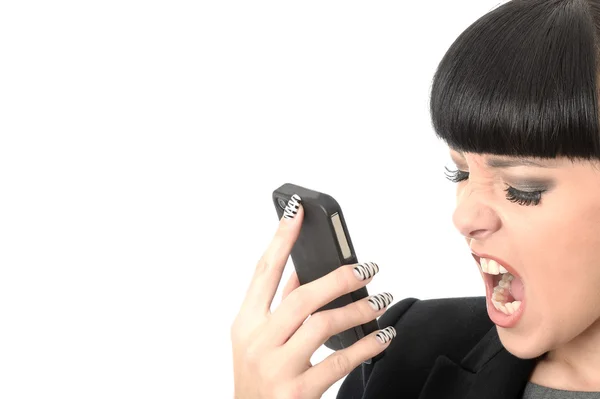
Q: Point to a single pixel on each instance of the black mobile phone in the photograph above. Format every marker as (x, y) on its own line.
(322, 246)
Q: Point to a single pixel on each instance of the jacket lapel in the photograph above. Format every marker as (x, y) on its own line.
(488, 371)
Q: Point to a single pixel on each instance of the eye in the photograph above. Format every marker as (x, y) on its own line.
(457, 175)
(524, 198)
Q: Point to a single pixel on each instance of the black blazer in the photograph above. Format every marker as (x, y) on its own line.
(444, 348)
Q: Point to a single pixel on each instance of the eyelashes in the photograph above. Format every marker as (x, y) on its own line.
(456, 176)
(524, 198)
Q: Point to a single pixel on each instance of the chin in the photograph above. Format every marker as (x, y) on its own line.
(523, 348)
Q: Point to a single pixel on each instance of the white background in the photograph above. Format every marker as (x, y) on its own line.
(140, 144)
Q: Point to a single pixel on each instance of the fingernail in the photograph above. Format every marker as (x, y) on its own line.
(366, 270)
(380, 301)
(384, 336)
(292, 206)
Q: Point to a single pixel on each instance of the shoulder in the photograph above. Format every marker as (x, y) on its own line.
(448, 321)
(425, 329)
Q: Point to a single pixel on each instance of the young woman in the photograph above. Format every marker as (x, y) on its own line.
(516, 99)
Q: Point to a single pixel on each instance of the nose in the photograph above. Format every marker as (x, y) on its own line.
(473, 216)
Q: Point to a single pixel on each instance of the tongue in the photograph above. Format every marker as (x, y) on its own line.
(517, 289)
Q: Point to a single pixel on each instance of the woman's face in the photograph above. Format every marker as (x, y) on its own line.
(553, 246)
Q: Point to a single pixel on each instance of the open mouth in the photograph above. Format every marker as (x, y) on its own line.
(504, 288)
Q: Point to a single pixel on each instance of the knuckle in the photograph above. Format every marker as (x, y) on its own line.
(293, 390)
(281, 237)
(344, 278)
(340, 364)
(282, 232)
(264, 264)
(296, 304)
(364, 311)
(270, 374)
(253, 355)
(296, 299)
(321, 321)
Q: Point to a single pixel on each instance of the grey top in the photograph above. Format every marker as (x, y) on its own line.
(534, 391)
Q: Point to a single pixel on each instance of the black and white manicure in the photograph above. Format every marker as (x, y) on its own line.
(366, 270)
(384, 336)
(292, 206)
(380, 301)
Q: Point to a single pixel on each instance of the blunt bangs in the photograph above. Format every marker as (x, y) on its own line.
(521, 81)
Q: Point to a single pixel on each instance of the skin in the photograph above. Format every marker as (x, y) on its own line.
(272, 349)
(555, 247)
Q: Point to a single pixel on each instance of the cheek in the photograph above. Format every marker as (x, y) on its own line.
(563, 276)
(562, 265)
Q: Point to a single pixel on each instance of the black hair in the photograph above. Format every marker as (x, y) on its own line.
(522, 81)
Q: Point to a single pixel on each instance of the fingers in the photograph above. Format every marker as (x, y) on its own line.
(322, 325)
(307, 298)
(269, 269)
(291, 285)
(336, 366)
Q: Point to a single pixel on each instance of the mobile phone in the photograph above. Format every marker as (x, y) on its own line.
(322, 246)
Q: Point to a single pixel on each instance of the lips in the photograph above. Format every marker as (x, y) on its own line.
(498, 314)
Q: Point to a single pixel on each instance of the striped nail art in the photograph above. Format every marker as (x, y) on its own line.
(384, 336)
(380, 301)
(366, 270)
(292, 207)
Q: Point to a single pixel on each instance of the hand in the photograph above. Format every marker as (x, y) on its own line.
(272, 351)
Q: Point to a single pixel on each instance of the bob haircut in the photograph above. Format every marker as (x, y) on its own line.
(521, 81)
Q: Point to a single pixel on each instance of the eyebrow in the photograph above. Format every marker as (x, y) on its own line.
(499, 163)
(511, 163)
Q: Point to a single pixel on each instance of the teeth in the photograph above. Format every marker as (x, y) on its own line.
(490, 266)
(484, 264)
(493, 267)
(507, 308)
(501, 291)
(498, 297)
